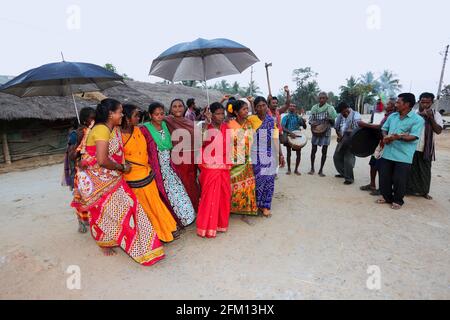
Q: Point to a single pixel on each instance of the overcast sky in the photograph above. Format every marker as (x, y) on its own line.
(337, 39)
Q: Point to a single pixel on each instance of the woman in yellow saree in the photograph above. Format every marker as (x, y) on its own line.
(141, 176)
(243, 186)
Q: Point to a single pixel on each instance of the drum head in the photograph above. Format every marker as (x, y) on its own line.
(299, 142)
(364, 142)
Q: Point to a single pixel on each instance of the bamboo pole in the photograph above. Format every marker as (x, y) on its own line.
(6, 153)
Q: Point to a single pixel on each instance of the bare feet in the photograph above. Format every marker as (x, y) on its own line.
(297, 173)
(82, 227)
(381, 201)
(289, 172)
(311, 173)
(267, 213)
(108, 252)
(396, 206)
(321, 174)
(428, 197)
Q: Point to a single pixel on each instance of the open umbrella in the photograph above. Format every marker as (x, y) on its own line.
(203, 60)
(62, 79)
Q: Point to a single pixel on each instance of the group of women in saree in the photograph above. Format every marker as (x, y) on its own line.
(137, 185)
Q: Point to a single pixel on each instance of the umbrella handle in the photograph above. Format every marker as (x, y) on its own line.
(268, 80)
(75, 106)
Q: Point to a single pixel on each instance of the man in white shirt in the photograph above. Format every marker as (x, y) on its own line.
(419, 180)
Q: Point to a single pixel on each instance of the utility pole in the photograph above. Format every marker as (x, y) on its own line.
(442, 73)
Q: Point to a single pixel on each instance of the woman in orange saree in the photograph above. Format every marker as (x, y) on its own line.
(215, 200)
(141, 178)
(115, 216)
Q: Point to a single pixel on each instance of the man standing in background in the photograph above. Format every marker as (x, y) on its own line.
(419, 181)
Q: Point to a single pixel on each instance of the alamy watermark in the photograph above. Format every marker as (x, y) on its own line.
(373, 21)
(374, 281)
(73, 21)
(73, 282)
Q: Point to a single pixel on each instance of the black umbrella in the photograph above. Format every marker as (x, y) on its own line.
(62, 79)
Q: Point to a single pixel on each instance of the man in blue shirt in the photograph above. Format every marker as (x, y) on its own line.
(401, 133)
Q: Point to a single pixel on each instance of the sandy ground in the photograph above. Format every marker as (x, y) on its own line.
(318, 245)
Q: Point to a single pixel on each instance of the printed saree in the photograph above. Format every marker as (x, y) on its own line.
(116, 217)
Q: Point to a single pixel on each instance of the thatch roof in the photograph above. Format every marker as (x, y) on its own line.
(61, 108)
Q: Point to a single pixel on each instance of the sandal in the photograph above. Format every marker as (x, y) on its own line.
(381, 201)
(375, 193)
(367, 188)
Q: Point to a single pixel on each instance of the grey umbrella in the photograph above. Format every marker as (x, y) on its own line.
(203, 60)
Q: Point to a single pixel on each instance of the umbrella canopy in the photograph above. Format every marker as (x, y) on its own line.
(61, 79)
(203, 60)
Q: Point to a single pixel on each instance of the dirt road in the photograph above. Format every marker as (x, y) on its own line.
(319, 244)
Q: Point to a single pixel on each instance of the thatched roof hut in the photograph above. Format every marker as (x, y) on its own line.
(61, 108)
(39, 126)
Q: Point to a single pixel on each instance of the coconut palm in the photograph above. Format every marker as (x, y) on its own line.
(389, 84)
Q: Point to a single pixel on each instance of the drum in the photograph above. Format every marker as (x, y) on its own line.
(320, 128)
(299, 142)
(364, 141)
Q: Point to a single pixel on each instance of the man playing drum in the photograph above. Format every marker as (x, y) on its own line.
(344, 160)
(321, 120)
(291, 124)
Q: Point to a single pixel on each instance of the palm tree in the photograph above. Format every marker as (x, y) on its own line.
(306, 95)
(389, 84)
(350, 91)
(252, 89)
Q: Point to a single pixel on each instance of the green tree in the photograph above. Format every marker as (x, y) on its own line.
(350, 91)
(126, 77)
(190, 83)
(110, 67)
(371, 87)
(251, 90)
(446, 91)
(305, 95)
(332, 98)
(389, 84)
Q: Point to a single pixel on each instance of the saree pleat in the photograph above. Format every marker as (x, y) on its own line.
(264, 165)
(214, 207)
(148, 196)
(243, 185)
(215, 201)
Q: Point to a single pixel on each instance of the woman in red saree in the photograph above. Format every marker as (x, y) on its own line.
(215, 181)
(115, 216)
(183, 154)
